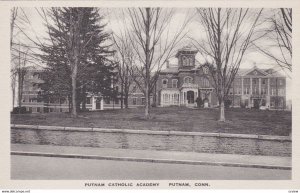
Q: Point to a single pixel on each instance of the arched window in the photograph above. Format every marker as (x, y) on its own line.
(165, 83)
(174, 83)
(184, 61)
(205, 82)
(188, 80)
(205, 70)
(190, 61)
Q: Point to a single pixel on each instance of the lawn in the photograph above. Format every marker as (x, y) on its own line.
(243, 121)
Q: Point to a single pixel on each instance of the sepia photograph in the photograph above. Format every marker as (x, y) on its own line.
(150, 93)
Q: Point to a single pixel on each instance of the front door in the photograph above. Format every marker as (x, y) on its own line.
(98, 103)
(190, 97)
(256, 103)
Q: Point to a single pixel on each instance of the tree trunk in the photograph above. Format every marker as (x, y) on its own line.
(222, 111)
(13, 96)
(20, 88)
(83, 97)
(126, 97)
(122, 95)
(147, 54)
(69, 103)
(154, 96)
(149, 100)
(74, 84)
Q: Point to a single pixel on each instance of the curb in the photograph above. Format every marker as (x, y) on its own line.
(151, 132)
(134, 159)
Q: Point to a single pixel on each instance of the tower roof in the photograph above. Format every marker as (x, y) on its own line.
(186, 50)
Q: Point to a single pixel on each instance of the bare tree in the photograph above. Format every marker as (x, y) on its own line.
(14, 13)
(276, 38)
(228, 35)
(153, 45)
(125, 59)
(23, 50)
(21, 71)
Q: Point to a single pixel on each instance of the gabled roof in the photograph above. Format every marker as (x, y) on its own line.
(253, 71)
(270, 72)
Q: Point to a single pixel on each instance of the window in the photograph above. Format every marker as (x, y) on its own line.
(143, 101)
(246, 102)
(263, 102)
(88, 100)
(273, 91)
(280, 102)
(107, 100)
(246, 90)
(263, 81)
(280, 82)
(165, 83)
(176, 99)
(280, 91)
(205, 70)
(205, 82)
(188, 80)
(272, 103)
(174, 83)
(116, 101)
(38, 109)
(184, 61)
(187, 61)
(134, 101)
(255, 90)
(166, 98)
(191, 62)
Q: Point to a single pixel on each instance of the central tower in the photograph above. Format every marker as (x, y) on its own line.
(186, 57)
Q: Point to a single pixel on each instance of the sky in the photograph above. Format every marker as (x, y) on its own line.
(117, 21)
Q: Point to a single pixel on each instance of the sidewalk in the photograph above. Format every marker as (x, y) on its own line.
(233, 160)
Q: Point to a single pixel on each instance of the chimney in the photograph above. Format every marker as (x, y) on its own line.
(168, 64)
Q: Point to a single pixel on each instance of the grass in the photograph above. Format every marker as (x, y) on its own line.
(243, 121)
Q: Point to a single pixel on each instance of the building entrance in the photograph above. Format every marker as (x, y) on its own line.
(256, 103)
(98, 105)
(190, 97)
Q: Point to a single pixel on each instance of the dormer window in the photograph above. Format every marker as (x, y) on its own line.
(188, 80)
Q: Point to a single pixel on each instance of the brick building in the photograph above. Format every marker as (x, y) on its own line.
(34, 104)
(181, 84)
(177, 85)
